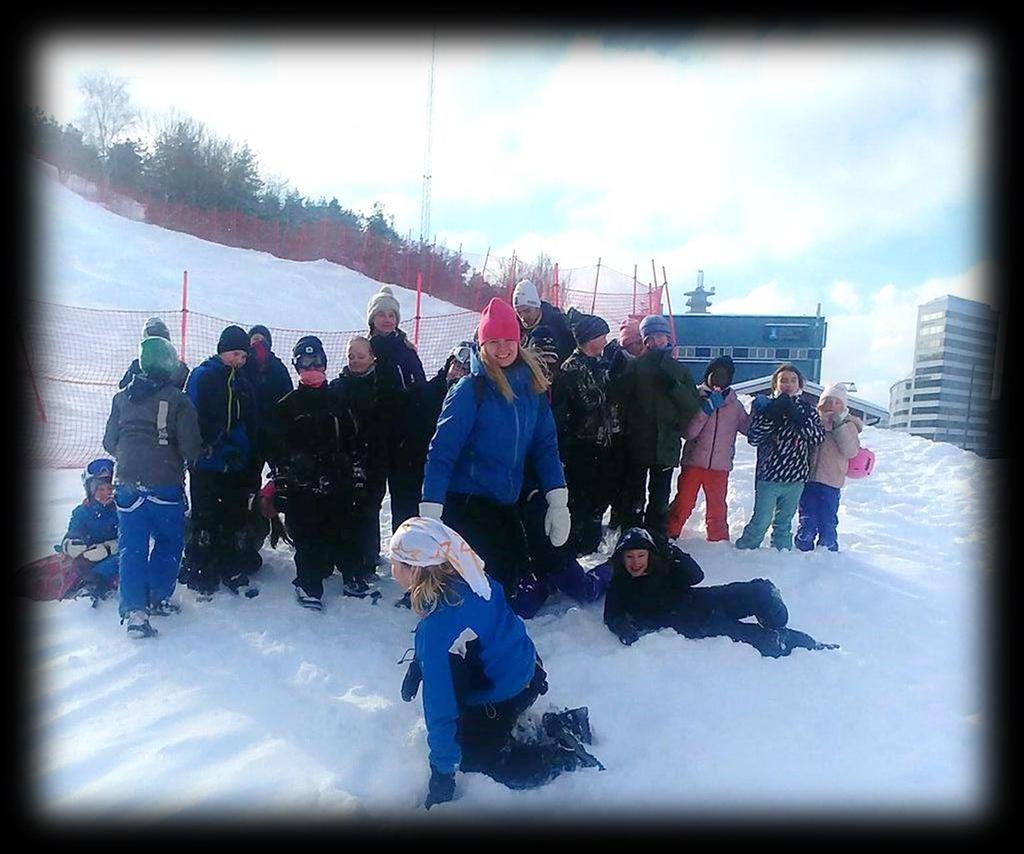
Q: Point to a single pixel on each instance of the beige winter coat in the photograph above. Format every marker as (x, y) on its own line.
(830, 459)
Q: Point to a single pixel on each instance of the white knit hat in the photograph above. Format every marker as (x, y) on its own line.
(525, 293)
(836, 390)
(383, 300)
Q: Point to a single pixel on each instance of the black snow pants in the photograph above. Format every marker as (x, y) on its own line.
(359, 541)
(219, 547)
(485, 734)
(314, 523)
(495, 532)
(405, 484)
(650, 486)
(585, 474)
(719, 611)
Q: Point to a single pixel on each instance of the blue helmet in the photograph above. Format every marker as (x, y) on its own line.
(99, 469)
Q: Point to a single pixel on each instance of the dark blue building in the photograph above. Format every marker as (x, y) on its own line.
(756, 343)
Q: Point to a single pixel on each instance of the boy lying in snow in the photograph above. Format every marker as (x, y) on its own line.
(653, 589)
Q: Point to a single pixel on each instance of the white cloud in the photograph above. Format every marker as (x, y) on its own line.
(845, 295)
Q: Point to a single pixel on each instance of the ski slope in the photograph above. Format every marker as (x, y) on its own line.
(260, 708)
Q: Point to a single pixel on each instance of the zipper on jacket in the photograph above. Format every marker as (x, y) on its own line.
(231, 377)
(714, 438)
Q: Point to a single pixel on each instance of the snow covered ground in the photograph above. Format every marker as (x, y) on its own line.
(259, 707)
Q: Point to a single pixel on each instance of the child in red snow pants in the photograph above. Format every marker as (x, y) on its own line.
(715, 485)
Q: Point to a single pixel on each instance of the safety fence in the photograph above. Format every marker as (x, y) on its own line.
(78, 356)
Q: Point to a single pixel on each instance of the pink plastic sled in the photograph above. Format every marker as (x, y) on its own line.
(861, 465)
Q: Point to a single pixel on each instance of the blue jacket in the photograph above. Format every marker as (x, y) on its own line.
(92, 522)
(481, 449)
(224, 401)
(471, 653)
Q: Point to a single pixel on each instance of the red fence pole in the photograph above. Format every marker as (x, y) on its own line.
(672, 320)
(558, 299)
(184, 310)
(419, 293)
(634, 291)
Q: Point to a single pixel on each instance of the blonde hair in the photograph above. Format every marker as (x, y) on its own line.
(360, 338)
(429, 586)
(538, 378)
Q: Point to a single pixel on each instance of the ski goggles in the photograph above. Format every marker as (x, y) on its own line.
(310, 362)
(99, 468)
(461, 353)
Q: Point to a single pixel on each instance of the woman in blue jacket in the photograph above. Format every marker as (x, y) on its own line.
(490, 424)
(479, 669)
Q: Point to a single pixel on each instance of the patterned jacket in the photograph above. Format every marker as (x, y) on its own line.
(784, 440)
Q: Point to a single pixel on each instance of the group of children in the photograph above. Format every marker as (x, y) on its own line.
(508, 458)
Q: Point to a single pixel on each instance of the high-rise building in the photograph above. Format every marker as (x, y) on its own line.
(951, 389)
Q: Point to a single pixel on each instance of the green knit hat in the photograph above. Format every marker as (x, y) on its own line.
(157, 356)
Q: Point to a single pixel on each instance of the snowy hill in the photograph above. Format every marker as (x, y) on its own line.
(260, 707)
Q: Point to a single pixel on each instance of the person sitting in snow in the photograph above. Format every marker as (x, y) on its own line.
(154, 326)
(490, 424)
(153, 432)
(819, 502)
(313, 449)
(369, 396)
(654, 588)
(533, 312)
(479, 669)
(784, 429)
(220, 483)
(708, 452)
(91, 538)
(396, 357)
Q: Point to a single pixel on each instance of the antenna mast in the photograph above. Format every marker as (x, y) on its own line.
(425, 204)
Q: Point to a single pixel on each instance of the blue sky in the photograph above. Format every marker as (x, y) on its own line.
(792, 169)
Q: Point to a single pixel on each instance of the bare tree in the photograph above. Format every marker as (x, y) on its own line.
(107, 111)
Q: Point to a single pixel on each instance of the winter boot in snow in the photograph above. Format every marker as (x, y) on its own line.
(314, 603)
(164, 608)
(557, 728)
(772, 613)
(355, 587)
(404, 602)
(138, 625)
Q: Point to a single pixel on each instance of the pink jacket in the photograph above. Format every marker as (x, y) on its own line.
(711, 439)
(830, 459)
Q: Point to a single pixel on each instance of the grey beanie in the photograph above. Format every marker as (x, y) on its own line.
(155, 326)
(383, 300)
(654, 324)
(525, 293)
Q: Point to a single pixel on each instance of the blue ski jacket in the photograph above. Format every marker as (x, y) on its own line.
(481, 446)
(472, 651)
(227, 415)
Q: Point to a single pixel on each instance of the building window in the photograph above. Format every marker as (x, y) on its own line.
(727, 351)
(782, 352)
(740, 352)
(703, 352)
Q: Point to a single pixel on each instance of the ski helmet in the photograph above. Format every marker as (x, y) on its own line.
(99, 469)
(308, 352)
(460, 353)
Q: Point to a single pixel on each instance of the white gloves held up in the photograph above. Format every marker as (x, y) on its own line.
(94, 553)
(557, 521)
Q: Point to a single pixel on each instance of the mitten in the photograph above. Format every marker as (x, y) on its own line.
(100, 551)
(760, 404)
(628, 632)
(441, 788)
(557, 520)
(411, 682)
(73, 548)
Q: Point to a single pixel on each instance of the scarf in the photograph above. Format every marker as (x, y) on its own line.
(421, 541)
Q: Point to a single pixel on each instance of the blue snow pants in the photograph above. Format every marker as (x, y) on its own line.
(148, 576)
(818, 516)
(774, 504)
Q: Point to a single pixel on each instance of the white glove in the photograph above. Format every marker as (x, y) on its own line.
(431, 510)
(73, 548)
(100, 551)
(557, 521)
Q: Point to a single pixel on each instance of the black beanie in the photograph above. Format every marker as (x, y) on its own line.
(233, 338)
(259, 327)
(309, 345)
(589, 327)
(634, 538)
(721, 362)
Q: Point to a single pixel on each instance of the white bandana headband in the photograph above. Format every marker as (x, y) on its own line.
(421, 541)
